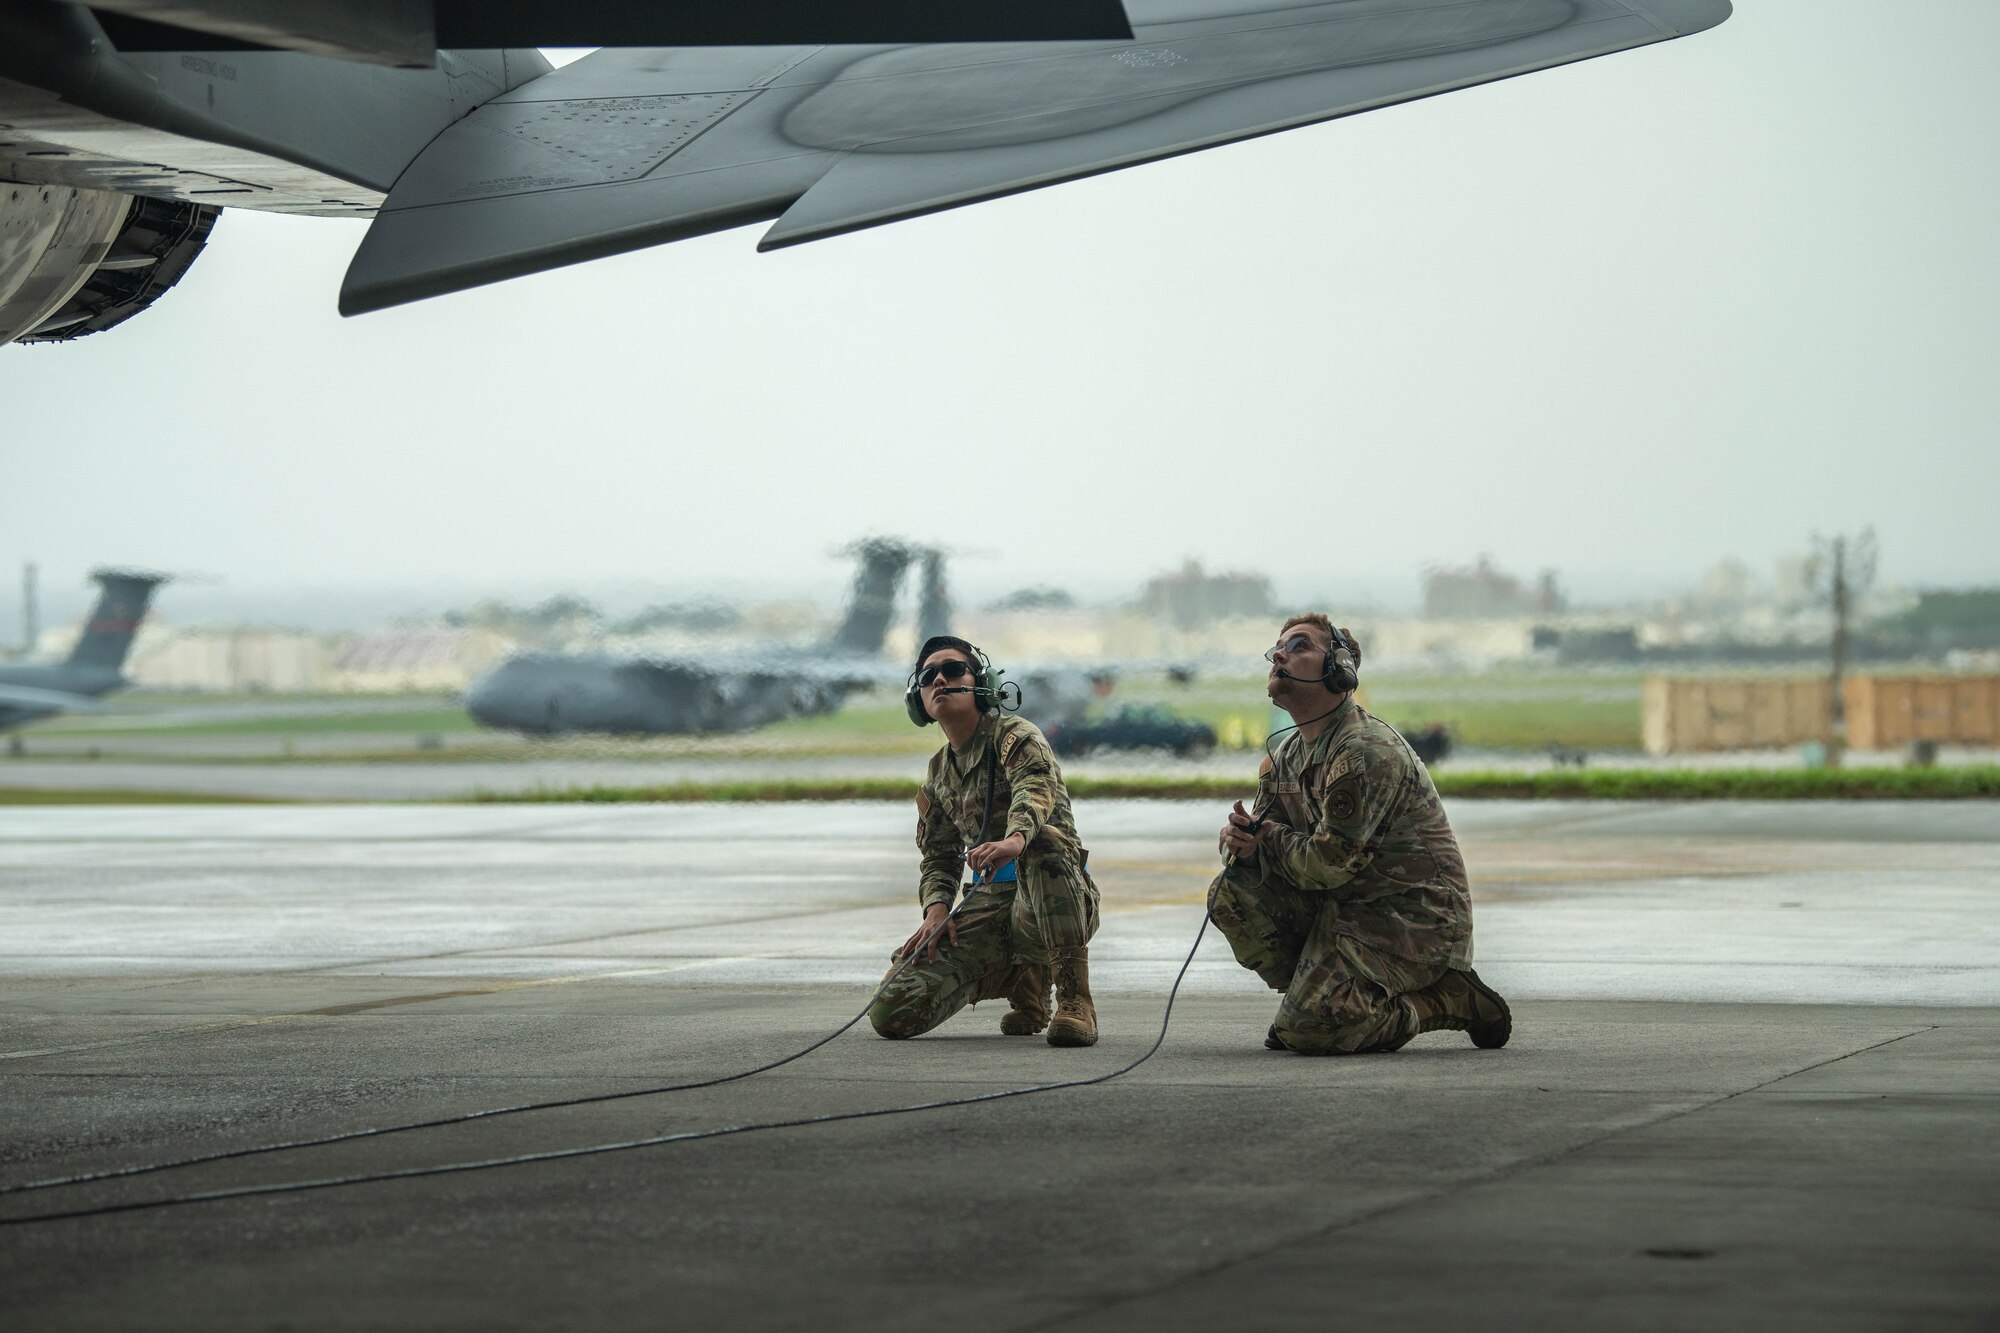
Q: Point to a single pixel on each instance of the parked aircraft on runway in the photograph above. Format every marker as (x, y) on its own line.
(122, 139)
(553, 693)
(30, 691)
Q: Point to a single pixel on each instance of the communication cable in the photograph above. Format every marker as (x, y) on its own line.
(382, 1131)
(379, 1131)
(595, 1149)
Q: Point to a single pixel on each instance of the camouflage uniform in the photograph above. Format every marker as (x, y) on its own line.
(1051, 908)
(1358, 898)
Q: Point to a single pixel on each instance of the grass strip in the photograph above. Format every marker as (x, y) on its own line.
(1972, 782)
(121, 796)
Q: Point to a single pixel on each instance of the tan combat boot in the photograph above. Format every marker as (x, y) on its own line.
(1075, 1023)
(1028, 1001)
(1459, 1001)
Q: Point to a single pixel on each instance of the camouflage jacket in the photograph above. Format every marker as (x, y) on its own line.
(1028, 798)
(1359, 820)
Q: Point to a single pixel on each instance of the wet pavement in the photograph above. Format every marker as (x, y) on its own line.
(1753, 1080)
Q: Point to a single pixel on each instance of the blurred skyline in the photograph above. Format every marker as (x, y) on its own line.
(975, 582)
(1622, 320)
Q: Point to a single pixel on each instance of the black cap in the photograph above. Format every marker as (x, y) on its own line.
(937, 641)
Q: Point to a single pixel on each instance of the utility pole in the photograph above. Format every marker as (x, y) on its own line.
(1848, 567)
(31, 616)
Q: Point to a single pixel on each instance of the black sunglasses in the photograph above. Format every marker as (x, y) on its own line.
(1292, 647)
(951, 670)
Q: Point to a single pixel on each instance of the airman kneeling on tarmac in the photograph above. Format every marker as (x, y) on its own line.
(1344, 887)
(1031, 908)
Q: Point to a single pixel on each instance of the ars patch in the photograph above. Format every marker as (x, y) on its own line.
(1343, 803)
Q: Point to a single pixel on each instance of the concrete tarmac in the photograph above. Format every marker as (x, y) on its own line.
(1753, 1081)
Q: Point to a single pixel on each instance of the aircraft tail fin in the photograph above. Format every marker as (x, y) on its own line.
(866, 626)
(934, 605)
(107, 635)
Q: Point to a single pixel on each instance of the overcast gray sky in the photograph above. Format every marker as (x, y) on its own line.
(1622, 319)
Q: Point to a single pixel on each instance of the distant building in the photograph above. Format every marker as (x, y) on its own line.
(1444, 644)
(413, 660)
(230, 659)
(1792, 582)
(1191, 598)
(1035, 599)
(1728, 585)
(1075, 635)
(1482, 592)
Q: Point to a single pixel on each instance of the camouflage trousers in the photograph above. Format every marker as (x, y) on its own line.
(1341, 996)
(1002, 928)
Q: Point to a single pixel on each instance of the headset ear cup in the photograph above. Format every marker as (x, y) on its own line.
(913, 704)
(1342, 674)
(982, 679)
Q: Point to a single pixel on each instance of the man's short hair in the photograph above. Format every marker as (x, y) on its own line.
(1333, 635)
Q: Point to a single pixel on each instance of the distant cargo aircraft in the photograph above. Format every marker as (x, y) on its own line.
(554, 693)
(30, 691)
(122, 138)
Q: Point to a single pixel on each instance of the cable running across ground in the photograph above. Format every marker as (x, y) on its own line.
(379, 1131)
(591, 1150)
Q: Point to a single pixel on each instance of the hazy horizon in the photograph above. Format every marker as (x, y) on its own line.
(201, 600)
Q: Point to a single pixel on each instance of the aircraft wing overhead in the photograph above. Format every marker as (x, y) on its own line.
(631, 148)
(1187, 92)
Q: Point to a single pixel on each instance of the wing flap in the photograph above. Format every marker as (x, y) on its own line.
(621, 150)
(1218, 85)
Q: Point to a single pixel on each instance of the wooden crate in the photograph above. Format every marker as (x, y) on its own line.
(1891, 712)
(1877, 718)
(1697, 714)
(1976, 709)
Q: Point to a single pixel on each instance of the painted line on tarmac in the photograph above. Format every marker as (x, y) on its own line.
(1100, 1308)
(517, 950)
(342, 1010)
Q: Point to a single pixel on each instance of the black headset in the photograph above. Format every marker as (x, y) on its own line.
(1341, 672)
(990, 687)
(1338, 671)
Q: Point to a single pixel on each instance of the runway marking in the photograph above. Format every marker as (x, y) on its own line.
(1477, 1180)
(360, 1006)
(1585, 876)
(516, 949)
(1555, 874)
(342, 1010)
(148, 1036)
